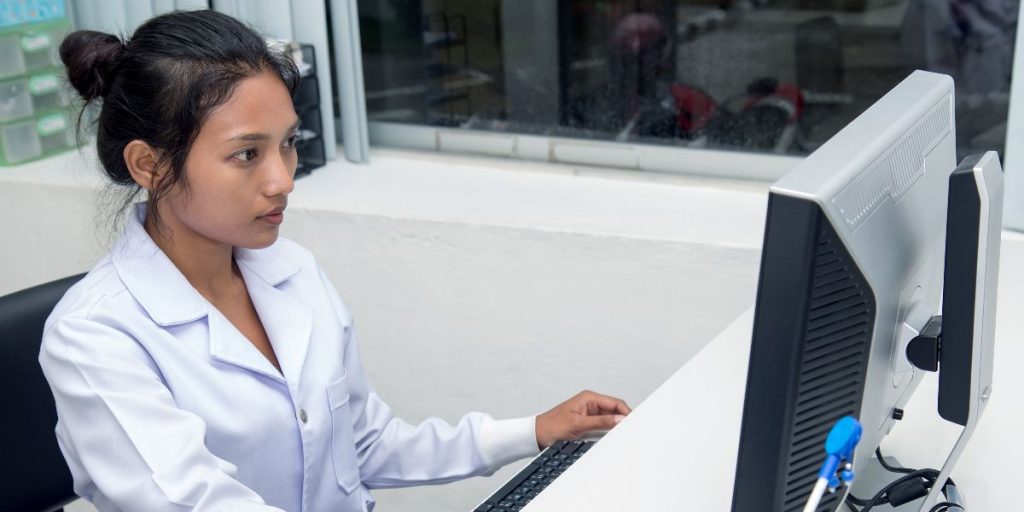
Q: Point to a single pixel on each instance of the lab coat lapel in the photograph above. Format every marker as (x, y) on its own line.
(228, 345)
(288, 322)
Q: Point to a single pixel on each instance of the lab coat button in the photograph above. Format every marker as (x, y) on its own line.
(303, 416)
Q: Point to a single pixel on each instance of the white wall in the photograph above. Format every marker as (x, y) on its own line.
(52, 226)
(458, 317)
(476, 285)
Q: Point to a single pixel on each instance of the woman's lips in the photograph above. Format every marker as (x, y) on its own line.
(274, 219)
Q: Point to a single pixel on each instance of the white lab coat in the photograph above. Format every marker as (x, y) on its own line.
(164, 405)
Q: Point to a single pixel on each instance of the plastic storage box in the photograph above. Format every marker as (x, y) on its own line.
(34, 116)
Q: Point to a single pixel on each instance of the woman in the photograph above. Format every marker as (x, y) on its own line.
(206, 364)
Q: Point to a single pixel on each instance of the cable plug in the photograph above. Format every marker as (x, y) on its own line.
(837, 468)
(839, 446)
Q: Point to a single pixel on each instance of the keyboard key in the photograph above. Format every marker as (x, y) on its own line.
(570, 447)
(512, 484)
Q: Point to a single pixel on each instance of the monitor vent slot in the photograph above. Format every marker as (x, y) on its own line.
(894, 171)
(833, 364)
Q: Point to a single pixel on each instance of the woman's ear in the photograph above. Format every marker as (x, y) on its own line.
(142, 161)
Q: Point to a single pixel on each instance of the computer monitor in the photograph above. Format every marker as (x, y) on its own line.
(852, 270)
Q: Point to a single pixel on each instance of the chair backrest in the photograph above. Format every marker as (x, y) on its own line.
(33, 474)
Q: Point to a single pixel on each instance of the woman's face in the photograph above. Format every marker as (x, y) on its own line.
(240, 169)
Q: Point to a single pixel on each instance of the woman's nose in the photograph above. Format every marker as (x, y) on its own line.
(282, 176)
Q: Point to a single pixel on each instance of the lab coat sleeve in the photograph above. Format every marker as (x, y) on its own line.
(394, 453)
(120, 425)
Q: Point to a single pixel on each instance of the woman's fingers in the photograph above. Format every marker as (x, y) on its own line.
(612, 405)
(601, 422)
(597, 403)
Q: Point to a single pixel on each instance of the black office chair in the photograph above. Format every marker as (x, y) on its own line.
(33, 474)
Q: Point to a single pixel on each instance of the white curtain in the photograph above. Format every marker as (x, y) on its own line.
(1013, 162)
(304, 21)
(122, 16)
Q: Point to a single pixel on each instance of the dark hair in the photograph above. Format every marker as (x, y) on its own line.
(160, 85)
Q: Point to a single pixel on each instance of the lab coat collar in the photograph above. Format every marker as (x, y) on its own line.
(269, 264)
(152, 278)
(162, 289)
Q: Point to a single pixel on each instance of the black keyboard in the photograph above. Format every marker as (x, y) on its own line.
(522, 488)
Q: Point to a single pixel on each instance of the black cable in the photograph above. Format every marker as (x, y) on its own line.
(855, 500)
(945, 506)
(881, 498)
(895, 469)
(891, 469)
(928, 474)
(852, 499)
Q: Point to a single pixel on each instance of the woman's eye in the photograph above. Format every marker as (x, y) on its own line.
(290, 143)
(246, 155)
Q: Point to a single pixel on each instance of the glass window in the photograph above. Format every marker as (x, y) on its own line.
(779, 76)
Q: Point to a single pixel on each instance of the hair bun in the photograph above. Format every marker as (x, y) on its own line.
(89, 56)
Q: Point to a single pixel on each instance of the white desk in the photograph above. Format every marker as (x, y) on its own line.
(680, 445)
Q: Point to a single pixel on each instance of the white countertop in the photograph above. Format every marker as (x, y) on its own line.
(678, 448)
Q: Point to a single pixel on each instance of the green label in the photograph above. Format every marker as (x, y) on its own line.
(43, 84)
(51, 124)
(35, 42)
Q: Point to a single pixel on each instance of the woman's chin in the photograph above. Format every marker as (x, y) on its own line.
(260, 242)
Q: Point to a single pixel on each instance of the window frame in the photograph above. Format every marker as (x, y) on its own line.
(712, 163)
(1013, 160)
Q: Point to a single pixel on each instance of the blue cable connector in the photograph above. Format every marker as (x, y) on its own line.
(838, 466)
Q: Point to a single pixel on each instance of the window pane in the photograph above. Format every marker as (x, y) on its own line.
(777, 76)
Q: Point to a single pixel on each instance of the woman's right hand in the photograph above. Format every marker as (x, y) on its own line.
(583, 413)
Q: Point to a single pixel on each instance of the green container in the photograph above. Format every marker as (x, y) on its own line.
(35, 120)
(30, 96)
(37, 137)
(30, 34)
